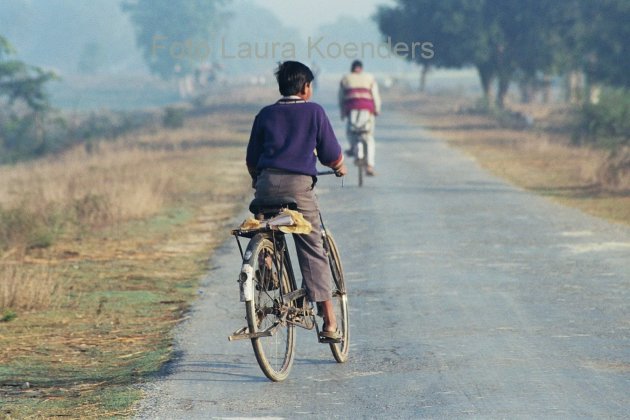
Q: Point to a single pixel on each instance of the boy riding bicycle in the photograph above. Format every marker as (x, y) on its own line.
(287, 139)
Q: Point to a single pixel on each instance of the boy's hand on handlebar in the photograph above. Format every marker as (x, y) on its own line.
(341, 171)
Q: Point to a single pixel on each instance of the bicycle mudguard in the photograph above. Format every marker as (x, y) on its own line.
(246, 283)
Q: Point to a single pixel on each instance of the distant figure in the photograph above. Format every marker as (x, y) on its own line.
(360, 102)
(185, 83)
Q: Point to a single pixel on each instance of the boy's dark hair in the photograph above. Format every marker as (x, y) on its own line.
(356, 64)
(292, 76)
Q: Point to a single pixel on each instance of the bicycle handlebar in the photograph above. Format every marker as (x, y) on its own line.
(330, 172)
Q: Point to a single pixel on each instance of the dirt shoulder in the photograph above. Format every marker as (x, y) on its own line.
(536, 155)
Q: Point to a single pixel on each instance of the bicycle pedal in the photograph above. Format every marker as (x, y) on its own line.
(325, 340)
(239, 334)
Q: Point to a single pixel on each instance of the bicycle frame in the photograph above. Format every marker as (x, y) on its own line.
(274, 305)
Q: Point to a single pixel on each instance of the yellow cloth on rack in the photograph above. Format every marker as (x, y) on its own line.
(250, 224)
(288, 221)
(297, 224)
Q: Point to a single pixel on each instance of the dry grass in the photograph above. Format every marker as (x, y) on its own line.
(118, 183)
(28, 288)
(541, 159)
(140, 216)
(615, 170)
(100, 188)
(133, 178)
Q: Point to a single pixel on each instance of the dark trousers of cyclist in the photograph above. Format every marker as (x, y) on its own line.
(309, 248)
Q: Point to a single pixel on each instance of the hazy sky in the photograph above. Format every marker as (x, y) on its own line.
(307, 15)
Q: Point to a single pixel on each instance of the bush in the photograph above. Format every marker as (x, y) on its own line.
(20, 138)
(107, 125)
(173, 117)
(37, 134)
(614, 172)
(504, 117)
(23, 228)
(606, 123)
(93, 210)
(8, 315)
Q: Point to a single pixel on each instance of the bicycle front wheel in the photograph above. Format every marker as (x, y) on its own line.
(340, 300)
(274, 348)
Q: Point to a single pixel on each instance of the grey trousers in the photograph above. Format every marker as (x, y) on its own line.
(309, 248)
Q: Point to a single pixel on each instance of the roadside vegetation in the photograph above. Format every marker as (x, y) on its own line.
(540, 147)
(101, 249)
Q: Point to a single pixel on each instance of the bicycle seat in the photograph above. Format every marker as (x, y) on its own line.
(270, 206)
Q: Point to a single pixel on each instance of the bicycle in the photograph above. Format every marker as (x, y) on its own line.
(359, 125)
(361, 154)
(274, 305)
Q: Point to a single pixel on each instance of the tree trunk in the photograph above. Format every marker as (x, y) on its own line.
(546, 88)
(486, 77)
(504, 86)
(526, 87)
(423, 77)
(574, 87)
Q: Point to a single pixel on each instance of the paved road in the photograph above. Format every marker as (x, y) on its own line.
(469, 298)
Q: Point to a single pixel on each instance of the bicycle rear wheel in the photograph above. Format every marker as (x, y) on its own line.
(340, 300)
(361, 160)
(274, 352)
(361, 169)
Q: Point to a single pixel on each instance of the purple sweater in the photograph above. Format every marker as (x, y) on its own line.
(291, 135)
